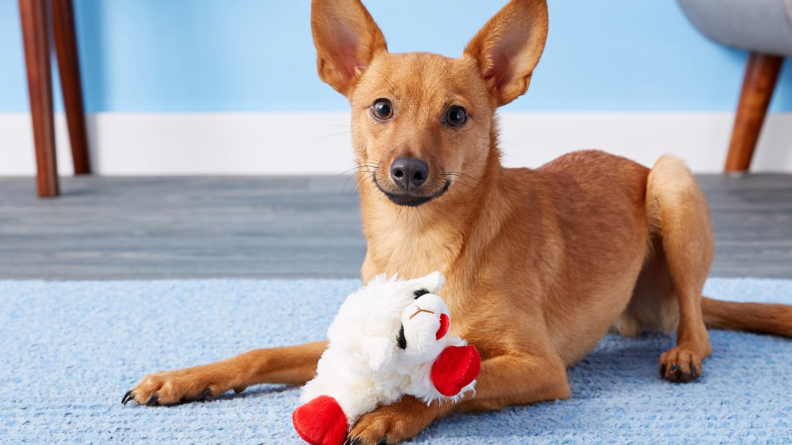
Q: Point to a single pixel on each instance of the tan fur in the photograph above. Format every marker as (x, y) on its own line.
(539, 263)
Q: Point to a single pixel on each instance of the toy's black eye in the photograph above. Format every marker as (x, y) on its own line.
(382, 109)
(401, 340)
(420, 292)
(456, 116)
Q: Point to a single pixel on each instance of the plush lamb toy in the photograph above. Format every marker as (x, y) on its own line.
(389, 339)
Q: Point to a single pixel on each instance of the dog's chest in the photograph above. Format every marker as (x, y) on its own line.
(409, 253)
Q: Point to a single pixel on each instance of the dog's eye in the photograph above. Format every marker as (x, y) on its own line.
(456, 116)
(382, 109)
(401, 340)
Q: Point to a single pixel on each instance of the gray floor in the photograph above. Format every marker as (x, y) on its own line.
(201, 227)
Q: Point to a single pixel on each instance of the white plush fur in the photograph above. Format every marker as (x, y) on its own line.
(363, 366)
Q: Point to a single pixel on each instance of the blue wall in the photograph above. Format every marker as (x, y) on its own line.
(257, 55)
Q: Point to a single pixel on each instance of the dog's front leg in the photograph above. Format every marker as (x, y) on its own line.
(503, 381)
(394, 423)
(292, 365)
(518, 380)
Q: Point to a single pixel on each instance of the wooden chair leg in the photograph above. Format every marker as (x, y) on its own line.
(69, 68)
(761, 73)
(37, 60)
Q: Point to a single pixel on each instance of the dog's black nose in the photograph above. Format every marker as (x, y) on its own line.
(409, 173)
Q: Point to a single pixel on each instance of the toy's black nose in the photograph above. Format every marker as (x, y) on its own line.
(409, 173)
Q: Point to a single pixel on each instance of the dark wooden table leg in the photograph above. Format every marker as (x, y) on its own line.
(69, 69)
(37, 59)
(761, 73)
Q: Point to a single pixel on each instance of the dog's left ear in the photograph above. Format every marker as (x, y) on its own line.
(509, 46)
(346, 40)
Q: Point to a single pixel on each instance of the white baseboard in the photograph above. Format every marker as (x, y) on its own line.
(318, 143)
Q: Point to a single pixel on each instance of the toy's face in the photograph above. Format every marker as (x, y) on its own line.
(424, 328)
(396, 323)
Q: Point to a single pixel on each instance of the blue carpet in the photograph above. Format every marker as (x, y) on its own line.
(71, 349)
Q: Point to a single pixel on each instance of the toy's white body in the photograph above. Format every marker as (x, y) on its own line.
(364, 365)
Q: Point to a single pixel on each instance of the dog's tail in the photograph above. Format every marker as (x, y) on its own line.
(773, 319)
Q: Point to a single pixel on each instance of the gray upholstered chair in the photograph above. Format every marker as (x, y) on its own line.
(763, 27)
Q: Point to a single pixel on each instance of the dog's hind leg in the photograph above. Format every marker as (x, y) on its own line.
(679, 216)
(292, 365)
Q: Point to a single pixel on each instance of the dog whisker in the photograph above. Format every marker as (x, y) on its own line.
(463, 174)
(398, 214)
(466, 185)
(360, 179)
(461, 179)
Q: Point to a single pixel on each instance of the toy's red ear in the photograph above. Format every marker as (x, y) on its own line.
(445, 322)
(455, 368)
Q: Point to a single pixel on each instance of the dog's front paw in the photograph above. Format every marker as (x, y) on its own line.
(173, 387)
(393, 423)
(680, 364)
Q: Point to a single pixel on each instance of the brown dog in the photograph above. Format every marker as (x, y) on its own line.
(539, 263)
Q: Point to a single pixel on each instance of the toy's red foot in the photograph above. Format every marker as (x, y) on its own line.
(321, 422)
(455, 368)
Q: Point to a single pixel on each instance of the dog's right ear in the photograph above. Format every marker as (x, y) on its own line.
(346, 40)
